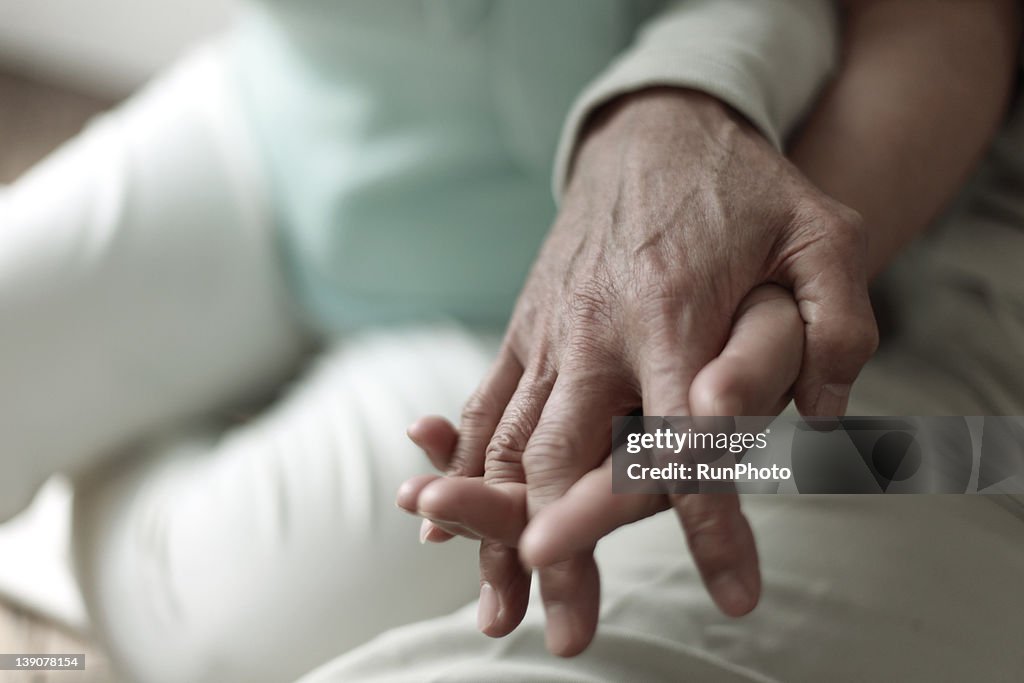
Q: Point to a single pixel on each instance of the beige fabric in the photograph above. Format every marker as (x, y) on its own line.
(908, 588)
(918, 589)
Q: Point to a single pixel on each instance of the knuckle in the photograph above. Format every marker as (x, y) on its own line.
(854, 338)
(503, 472)
(504, 453)
(559, 580)
(590, 327)
(865, 340)
(842, 217)
(592, 353)
(829, 228)
(849, 218)
(550, 464)
(831, 215)
(659, 298)
(715, 551)
(667, 312)
(845, 228)
(479, 408)
(549, 447)
(493, 558)
(710, 524)
(589, 304)
(507, 444)
(712, 533)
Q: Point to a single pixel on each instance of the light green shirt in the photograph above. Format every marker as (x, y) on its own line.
(411, 142)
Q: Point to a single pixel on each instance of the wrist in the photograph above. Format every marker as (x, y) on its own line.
(634, 130)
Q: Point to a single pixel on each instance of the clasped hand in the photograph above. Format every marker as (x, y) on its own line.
(691, 270)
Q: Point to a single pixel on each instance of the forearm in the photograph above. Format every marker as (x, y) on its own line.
(923, 88)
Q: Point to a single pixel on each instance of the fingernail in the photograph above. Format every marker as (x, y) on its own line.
(833, 399)
(558, 636)
(731, 594)
(425, 528)
(488, 607)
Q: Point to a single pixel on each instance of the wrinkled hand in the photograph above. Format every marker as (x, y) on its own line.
(757, 368)
(676, 209)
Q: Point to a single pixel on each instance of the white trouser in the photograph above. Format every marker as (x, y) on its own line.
(140, 297)
(138, 283)
(257, 554)
(140, 303)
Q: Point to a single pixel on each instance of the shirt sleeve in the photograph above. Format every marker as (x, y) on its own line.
(765, 58)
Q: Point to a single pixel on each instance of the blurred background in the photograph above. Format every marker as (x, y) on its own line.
(61, 62)
(104, 47)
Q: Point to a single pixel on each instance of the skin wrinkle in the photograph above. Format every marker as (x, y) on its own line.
(697, 211)
(547, 467)
(625, 507)
(663, 231)
(779, 227)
